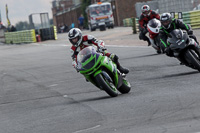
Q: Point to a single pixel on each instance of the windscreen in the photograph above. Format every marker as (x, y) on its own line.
(85, 54)
(100, 10)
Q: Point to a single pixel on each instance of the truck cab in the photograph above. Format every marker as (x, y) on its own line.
(100, 16)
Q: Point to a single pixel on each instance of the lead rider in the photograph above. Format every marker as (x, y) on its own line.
(79, 42)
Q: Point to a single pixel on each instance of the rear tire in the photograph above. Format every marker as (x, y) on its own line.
(193, 58)
(125, 88)
(109, 88)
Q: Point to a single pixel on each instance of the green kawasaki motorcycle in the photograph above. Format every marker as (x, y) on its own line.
(102, 72)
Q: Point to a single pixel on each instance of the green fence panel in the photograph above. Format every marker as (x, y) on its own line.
(27, 36)
(194, 19)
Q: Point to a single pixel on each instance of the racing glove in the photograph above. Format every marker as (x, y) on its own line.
(169, 52)
(74, 64)
(101, 47)
(144, 30)
(190, 32)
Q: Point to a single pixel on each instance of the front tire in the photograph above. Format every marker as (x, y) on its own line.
(109, 88)
(125, 88)
(193, 58)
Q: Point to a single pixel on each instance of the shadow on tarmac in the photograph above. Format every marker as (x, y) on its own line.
(134, 57)
(181, 74)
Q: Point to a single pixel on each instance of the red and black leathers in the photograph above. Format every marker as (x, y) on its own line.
(143, 21)
(88, 40)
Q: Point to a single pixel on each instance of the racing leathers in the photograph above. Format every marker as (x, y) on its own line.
(175, 24)
(143, 21)
(89, 40)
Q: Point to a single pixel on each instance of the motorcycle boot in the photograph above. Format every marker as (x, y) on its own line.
(159, 51)
(149, 42)
(145, 38)
(115, 58)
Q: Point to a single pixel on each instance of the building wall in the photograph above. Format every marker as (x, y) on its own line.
(61, 9)
(69, 17)
(196, 4)
(175, 5)
(76, 2)
(152, 4)
(125, 9)
(122, 9)
(162, 6)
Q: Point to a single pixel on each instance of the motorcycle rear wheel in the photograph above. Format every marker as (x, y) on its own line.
(109, 88)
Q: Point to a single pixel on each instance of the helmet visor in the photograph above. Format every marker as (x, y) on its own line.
(74, 40)
(145, 13)
(165, 23)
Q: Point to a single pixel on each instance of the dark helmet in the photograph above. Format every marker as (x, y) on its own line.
(145, 10)
(75, 33)
(166, 20)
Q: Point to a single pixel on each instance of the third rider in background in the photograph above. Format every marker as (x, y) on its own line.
(147, 14)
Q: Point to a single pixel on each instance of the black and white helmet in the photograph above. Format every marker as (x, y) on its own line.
(145, 10)
(166, 20)
(75, 33)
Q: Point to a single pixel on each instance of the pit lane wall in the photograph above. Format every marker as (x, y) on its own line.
(191, 17)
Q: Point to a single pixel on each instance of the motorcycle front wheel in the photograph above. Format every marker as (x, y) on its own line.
(106, 85)
(193, 58)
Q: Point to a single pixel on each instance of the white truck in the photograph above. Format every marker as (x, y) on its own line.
(100, 16)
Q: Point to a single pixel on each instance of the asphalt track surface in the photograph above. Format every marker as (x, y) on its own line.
(40, 92)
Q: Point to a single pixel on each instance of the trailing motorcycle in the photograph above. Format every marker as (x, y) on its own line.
(185, 48)
(102, 72)
(153, 28)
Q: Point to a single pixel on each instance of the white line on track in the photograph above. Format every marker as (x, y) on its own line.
(87, 129)
(64, 45)
(53, 85)
(127, 46)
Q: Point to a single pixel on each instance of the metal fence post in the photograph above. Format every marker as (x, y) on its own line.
(134, 26)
